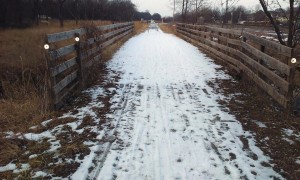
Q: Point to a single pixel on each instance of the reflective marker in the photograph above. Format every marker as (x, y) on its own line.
(46, 46)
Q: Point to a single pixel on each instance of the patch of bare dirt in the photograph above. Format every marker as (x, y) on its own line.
(250, 104)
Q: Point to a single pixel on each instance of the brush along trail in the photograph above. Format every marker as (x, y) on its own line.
(166, 119)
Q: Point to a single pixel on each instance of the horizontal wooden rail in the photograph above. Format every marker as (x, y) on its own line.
(62, 67)
(273, 45)
(274, 63)
(232, 47)
(63, 83)
(106, 35)
(62, 52)
(55, 37)
(68, 65)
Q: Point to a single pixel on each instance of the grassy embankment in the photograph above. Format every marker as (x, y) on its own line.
(168, 28)
(24, 99)
(23, 89)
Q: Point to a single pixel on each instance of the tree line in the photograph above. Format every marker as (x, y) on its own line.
(279, 14)
(24, 13)
(226, 11)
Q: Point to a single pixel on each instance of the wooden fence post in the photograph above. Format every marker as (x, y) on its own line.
(260, 61)
(291, 81)
(79, 60)
(243, 49)
(51, 79)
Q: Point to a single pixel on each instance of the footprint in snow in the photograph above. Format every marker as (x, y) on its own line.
(185, 138)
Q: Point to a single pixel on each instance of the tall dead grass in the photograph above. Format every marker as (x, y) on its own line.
(140, 27)
(108, 52)
(168, 28)
(23, 85)
(24, 102)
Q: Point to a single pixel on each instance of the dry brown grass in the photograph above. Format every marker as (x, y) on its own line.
(108, 52)
(19, 115)
(140, 27)
(28, 43)
(25, 100)
(168, 28)
(22, 74)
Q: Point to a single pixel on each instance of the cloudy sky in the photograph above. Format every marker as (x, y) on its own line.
(164, 7)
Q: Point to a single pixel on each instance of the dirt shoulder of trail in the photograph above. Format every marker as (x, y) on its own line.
(270, 123)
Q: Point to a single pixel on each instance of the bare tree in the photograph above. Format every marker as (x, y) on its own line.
(60, 6)
(293, 21)
(229, 4)
(174, 9)
(77, 11)
(186, 8)
(184, 5)
(198, 5)
(36, 11)
(182, 10)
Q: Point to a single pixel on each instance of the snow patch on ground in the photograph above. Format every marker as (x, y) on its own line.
(260, 124)
(51, 136)
(290, 136)
(39, 174)
(298, 160)
(8, 167)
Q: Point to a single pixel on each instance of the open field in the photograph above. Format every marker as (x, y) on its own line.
(25, 46)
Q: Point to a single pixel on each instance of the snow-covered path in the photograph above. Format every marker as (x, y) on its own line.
(167, 123)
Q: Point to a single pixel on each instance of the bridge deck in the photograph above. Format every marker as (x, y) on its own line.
(166, 122)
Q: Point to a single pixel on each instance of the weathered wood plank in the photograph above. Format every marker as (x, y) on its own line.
(55, 54)
(233, 62)
(58, 99)
(266, 87)
(220, 46)
(67, 85)
(278, 81)
(231, 41)
(107, 43)
(63, 83)
(92, 61)
(197, 32)
(261, 83)
(90, 52)
(108, 35)
(55, 37)
(62, 67)
(269, 44)
(283, 68)
(225, 31)
(274, 63)
(112, 26)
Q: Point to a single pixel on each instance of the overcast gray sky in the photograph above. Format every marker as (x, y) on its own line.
(164, 7)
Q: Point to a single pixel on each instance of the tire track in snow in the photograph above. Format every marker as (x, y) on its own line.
(173, 127)
(101, 159)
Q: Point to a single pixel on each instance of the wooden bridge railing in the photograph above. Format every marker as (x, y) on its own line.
(267, 63)
(72, 53)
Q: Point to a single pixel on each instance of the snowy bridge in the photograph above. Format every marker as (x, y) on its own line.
(165, 121)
